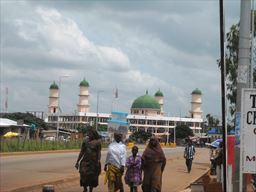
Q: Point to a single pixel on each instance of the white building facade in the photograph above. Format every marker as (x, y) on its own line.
(146, 114)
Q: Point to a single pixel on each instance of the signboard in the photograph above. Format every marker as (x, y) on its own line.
(118, 123)
(248, 131)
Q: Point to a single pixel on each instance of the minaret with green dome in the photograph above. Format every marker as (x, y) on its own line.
(83, 105)
(159, 96)
(196, 103)
(53, 98)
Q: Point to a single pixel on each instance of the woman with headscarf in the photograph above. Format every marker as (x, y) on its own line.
(153, 164)
(88, 161)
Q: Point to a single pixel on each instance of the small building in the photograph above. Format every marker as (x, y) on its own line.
(8, 125)
(214, 133)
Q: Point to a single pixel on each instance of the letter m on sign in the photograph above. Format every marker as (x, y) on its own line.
(253, 158)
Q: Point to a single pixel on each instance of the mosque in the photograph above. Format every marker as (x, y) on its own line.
(146, 113)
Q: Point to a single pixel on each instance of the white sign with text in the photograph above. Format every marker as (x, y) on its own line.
(248, 131)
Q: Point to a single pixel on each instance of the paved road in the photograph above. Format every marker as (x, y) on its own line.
(26, 170)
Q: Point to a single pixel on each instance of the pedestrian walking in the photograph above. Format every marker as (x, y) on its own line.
(88, 161)
(254, 181)
(133, 173)
(189, 153)
(219, 162)
(114, 165)
(153, 164)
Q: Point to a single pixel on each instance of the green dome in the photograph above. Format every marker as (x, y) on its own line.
(84, 83)
(197, 92)
(159, 94)
(145, 101)
(54, 86)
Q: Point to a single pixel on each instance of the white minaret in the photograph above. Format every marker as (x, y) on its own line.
(196, 103)
(83, 105)
(53, 98)
(159, 96)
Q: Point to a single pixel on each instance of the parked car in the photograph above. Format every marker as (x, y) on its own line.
(50, 138)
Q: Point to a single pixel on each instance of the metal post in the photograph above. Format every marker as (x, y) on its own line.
(252, 44)
(174, 135)
(223, 98)
(242, 81)
(167, 135)
(97, 109)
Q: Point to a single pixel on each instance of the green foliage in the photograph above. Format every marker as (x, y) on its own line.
(82, 128)
(231, 61)
(15, 145)
(183, 131)
(140, 136)
(28, 119)
(212, 121)
(102, 127)
(18, 145)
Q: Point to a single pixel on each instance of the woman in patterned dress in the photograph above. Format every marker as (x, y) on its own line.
(133, 173)
(88, 161)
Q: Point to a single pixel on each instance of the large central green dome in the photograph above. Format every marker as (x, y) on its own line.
(145, 101)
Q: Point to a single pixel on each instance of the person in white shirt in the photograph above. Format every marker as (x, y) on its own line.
(114, 165)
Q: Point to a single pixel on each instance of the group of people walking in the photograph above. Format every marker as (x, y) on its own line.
(151, 164)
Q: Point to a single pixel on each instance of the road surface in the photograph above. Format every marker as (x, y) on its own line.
(28, 170)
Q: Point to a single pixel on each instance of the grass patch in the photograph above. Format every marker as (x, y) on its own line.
(18, 145)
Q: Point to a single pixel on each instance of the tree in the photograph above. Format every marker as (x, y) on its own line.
(82, 128)
(102, 128)
(231, 60)
(212, 121)
(183, 131)
(28, 119)
(141, 136)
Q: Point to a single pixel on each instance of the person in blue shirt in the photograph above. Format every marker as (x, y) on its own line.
(189, 153)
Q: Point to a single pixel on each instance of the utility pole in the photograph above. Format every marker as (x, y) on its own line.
(223, 94)
(6, 100)
(97, 109)
(243, 72)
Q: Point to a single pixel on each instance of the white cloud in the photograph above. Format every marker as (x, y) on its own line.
(60, 37)
(114, 57)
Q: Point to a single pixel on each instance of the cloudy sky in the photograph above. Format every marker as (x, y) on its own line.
(133, 46)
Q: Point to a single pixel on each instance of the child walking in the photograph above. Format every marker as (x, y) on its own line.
(133, 172)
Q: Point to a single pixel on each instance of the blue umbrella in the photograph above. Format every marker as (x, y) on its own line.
(216, 143)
